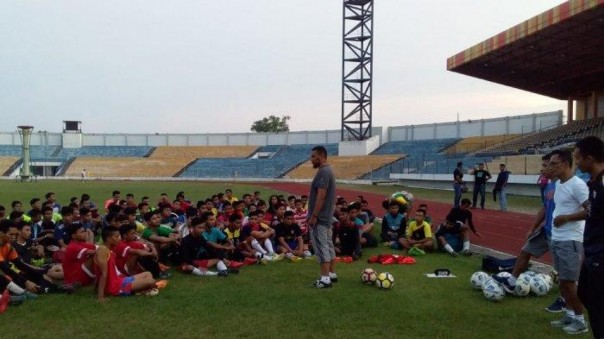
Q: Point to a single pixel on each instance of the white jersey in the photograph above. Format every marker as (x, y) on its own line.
(569, 198)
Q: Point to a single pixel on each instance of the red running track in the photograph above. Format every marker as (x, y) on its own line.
(501, 231)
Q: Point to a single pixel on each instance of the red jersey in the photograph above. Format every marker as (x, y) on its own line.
(223, 219)
(300, 219)
(74, 263)
(114, 277)
(122, 253)
(184, 205)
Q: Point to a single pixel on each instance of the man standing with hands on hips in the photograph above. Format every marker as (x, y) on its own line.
(321, 204)
(571, 199)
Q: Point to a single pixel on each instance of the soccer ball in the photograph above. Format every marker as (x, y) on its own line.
(478, 279)
(538, 286)
(522, 287)
(368, 276)
(492, 290)
(384, 281)
(548, 280)
(526, 277)
(554, 275)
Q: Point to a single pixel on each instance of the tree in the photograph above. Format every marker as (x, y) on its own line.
(271, 124)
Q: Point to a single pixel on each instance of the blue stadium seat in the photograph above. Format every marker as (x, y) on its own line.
(282, 161)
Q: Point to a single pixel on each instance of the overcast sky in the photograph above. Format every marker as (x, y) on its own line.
(196, 66)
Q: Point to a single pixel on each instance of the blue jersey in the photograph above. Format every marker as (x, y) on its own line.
(548, 203)
(214, 235)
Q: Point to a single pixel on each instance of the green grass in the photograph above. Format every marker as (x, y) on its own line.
(276, 300)
(101, 190)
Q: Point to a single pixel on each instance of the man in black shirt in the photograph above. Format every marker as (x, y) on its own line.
(289, 237)
(481, 176)
(463, 214)
(346, 236)
(589, 156)
(452, 237)
(24, 245)
(195, 251)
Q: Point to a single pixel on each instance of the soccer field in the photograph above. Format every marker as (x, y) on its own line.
(275, 300)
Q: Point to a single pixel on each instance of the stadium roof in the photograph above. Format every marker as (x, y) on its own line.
(559, 53)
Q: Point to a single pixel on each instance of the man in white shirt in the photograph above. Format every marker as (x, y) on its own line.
(571, 200)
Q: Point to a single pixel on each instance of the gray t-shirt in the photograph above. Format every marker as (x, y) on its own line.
(323, 179)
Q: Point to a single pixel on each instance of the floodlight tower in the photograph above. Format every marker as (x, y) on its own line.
(357, 68)
(25, 133)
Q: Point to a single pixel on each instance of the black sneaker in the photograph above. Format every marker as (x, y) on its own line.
(504, 282)
(320, 284)
(559, 305)
(223, 273)
(334, 280)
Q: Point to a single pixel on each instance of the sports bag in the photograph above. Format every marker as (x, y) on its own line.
(492, 264)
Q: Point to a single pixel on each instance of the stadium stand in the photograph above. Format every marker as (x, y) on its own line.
(345, 167)
(195, 152)
(471, 144)
(105, 151)
(283, 159)
(536, 141)
(415, 147)
(6, 163)
(125, 167)
(36, 152)
(418, 155)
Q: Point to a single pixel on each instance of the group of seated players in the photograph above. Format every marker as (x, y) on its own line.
(139, 241)
(401, 232)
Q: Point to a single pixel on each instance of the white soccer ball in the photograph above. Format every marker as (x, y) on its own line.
(368, 276)
(530, 273)
(548, 280)
(384, 281)
(538, 286)
(526, 277)
(478, 279)
(522, 287)
(492, 290)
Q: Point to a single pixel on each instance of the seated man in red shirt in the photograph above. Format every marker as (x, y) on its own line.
(78, 259)
(134, 256)
(110, 281)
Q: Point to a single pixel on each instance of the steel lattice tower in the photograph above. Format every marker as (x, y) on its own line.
(357, 67)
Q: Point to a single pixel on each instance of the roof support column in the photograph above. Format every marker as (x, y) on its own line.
(570, 109)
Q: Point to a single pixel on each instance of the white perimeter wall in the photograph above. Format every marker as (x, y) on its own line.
(359, 147)
(471, 128)
(457, 129)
